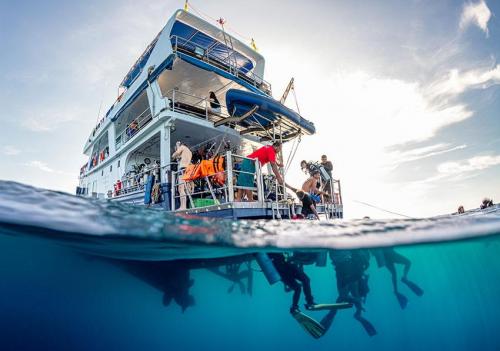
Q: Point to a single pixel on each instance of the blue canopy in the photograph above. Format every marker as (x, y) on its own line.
(269, 110)
(189, 38)
(138, 66)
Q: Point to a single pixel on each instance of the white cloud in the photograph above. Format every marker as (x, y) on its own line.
(477, 163)
(456, 82)
(42, 166)
(10, 150)
(424, 152)
(49, 120)
(363, 124)
(475, 14)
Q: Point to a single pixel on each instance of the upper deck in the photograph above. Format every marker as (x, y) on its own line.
(194, 40)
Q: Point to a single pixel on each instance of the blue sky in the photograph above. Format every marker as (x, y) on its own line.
(405, 94)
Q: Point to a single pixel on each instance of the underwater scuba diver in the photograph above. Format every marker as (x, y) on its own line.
(388, 257)
(293, 276)
(352, 284)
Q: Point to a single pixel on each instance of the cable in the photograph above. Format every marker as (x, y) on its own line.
(205, 16)
(381, 209)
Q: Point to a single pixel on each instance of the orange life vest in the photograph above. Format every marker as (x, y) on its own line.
(192, 172)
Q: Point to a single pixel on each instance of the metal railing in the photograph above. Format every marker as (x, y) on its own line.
(137, 181)
(204, 187)
(196, 106)
(182, 45)
(133, 128)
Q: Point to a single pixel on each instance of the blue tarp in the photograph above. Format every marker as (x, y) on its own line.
(189, 38)
(239, 102)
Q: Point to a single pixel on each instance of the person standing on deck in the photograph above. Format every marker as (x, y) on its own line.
(184, 156)
(327, 165)
(265, 154)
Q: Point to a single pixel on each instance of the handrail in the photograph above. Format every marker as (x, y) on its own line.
(136, 182)
(232, 69)
(200, 107)
(225, 193)
(141, 121)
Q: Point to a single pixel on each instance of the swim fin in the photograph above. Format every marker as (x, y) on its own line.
(403, 301)
(369, 328)
(329, 306)
(327, 320)
(413, 287)
(315, 329)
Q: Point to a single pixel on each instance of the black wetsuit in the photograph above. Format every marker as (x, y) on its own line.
(352, 283)
(291, 274)
(350, 266)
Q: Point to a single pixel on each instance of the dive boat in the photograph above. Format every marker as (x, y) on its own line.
(165, 100)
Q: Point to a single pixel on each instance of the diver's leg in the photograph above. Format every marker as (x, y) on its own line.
(292, 284)
(402, 300)
(392, 269)
(182, 193)
(286, 273)
(400, 259)
(355, 297)
(306, 284)
(342, 289)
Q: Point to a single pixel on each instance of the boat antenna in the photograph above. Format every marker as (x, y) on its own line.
(98, 112)
(233, 31)
(382, 209)
(186, 6)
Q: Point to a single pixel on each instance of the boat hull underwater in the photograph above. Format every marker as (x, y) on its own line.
(93, 275)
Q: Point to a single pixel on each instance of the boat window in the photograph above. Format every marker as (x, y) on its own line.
(100, 151)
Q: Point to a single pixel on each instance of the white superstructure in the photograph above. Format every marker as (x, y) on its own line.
(165, 99)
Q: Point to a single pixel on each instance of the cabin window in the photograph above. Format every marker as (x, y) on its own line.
(100, 151)
(111, 168)
(118, 163)
(199, 51)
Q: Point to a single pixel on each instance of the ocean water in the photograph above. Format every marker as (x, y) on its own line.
(77, 274)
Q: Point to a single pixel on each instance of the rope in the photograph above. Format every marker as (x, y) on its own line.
(206, 16)
(296, 101)
(381, 209)
(291, 156)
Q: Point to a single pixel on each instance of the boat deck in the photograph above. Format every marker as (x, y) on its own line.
(258, 210)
